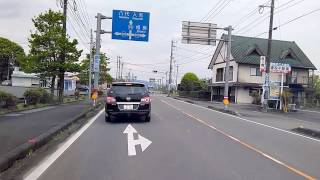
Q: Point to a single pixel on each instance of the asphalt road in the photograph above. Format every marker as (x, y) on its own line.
(188, 142)
(18, 128)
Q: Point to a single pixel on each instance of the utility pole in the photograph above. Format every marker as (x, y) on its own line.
(268, 59)
(90, 64)
(226, 85)
(170, 70)
(62, 71)
(121, 70)
(177, 77)
(98, 45)
(117, 71)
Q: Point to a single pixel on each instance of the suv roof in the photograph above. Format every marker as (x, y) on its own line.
(136, 83)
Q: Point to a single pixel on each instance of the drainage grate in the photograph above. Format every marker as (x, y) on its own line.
(307, 132)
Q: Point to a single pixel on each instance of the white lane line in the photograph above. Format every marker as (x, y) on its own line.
(46, 163)
(252, 122)
(297, 171)
(309, 111)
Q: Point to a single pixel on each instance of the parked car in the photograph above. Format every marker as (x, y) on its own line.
(128, 100)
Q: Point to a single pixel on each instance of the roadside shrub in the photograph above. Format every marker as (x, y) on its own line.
(7, 100)
(45, 96)
(38, 95)
(256, 98)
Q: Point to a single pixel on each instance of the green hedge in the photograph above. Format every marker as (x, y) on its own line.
(38, 95)
(7, 100)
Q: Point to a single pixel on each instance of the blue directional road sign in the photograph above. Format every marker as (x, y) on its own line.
(130, 25)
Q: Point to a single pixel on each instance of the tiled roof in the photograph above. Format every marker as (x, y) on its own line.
(240, 46)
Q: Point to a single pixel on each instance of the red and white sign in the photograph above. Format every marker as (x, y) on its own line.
(262, 63)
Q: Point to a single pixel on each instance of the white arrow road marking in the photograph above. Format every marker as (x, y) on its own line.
(144, 142)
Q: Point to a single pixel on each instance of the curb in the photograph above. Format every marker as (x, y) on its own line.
(21, 151)
(211, 107)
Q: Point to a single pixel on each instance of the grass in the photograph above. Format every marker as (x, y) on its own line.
(23, 107)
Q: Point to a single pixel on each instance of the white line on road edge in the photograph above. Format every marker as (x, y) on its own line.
(46, 163)
(253, 122)
(299, 172)
(309, 111)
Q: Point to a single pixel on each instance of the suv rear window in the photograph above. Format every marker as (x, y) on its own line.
(128, 89)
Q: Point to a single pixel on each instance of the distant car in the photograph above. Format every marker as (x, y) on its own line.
(128, 100)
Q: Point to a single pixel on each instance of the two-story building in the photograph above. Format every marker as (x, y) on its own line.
(245, 76)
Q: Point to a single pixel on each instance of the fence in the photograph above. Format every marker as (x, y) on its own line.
(202, 95)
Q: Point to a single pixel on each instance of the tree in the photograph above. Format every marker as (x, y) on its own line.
(316, 86)
(47, 46)
(10, 54)
(104, 77)
(190, 82)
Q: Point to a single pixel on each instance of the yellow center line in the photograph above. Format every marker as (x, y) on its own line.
(292, 169)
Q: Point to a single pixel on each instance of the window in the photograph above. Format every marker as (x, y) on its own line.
(294, 76)
(254, 71)
(219, 75)
(230, 73)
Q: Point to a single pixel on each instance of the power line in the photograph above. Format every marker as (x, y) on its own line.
(266, 16)
(79, 20)
(247, 16)
(224, 6)
(189, 50)
(83, 7)
(294, 19)
(195, 60)
(83, 42)
(212, 10)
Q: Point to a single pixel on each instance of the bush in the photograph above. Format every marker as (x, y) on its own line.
(7, 100)
(38, 95)
(256, 98)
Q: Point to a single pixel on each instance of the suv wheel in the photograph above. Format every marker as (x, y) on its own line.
(108, 119)
(148, 118)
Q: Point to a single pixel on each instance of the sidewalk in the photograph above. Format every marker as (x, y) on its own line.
(20, 127)
(287, 121)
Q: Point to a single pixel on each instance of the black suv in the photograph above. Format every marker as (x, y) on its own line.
(128, 100)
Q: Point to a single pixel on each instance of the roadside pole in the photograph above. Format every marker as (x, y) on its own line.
(98, 45)
(268, 58)
(226, 85)
(90, 64)
(170, 70)
(281, 90)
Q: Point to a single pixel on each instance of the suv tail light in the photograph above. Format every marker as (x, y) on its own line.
(111, 100)
(145, 100)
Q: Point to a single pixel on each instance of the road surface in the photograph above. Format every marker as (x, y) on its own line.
(188, 142)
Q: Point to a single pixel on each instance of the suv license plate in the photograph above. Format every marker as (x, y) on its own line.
(128, 107)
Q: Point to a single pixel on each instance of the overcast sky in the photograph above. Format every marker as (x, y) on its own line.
(165, 25)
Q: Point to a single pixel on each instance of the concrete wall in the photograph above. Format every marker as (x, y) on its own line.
(25, 81)
(242, 96)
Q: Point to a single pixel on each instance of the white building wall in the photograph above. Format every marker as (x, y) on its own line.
(223, 65)
(245, 77)
(243, 95)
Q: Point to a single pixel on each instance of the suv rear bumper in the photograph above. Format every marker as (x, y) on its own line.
(114, 111)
